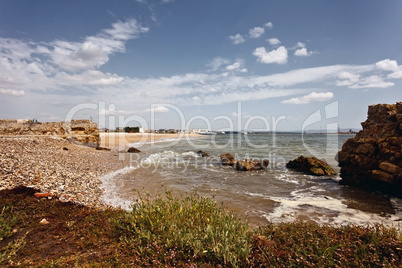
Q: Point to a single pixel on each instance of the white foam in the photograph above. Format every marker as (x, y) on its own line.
(285, 178)
(110, 195)
(324, 209)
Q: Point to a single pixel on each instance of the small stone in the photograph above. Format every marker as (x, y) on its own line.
(44, 221)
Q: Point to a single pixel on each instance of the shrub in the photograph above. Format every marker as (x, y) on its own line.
(308, 244)
(193, 228)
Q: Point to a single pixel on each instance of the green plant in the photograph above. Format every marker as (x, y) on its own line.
(309, 244)
(6, 223)
(176, 229)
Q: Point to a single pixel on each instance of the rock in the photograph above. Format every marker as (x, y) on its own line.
(311, 166)
(250, 165)
(44, 221)
(373, 158)
(65, 148)
(133, 150)
(227, 159)
(102, 149)
(83, 132)
(389, 168)
(202, 154)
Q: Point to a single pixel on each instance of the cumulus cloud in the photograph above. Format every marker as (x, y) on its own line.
(233, 66)
(269, 25)
(237, 66)
(237, 39)
(387, 65)
(217, 62)
(256, 32)
(95, 50)
(353, 80)
(279, 55)
(274, 41)
(347, 79)
(303, 52)
(12, 92)
(312, 97)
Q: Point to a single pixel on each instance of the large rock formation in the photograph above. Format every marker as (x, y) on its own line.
(373, 158)
(79, 131)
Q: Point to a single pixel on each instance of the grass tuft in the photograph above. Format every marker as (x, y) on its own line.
(192, 228)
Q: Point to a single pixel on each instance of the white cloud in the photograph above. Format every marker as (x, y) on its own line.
(347, 79)
(256, 32)
(274, 41)
(233, 66)
(159, 109)
(312, 97)
(303, 52)
(396, 74)
(387, 65)
(279, 55)
(237, 66)
(269, 25)
(373, 81)
(95, 50)
(237, 39)
(217, 62)
(12, 92)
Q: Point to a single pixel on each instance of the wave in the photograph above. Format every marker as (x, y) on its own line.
(111, 189)
(324, 209)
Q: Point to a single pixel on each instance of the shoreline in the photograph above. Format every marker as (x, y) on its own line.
(121, 140)
(70, 171)
(56, 166)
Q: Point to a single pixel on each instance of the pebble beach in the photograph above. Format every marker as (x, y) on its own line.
(54, 165)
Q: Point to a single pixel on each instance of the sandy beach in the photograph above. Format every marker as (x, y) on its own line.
(120, 141)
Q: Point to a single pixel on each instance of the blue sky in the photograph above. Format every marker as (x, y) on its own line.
(284, 65)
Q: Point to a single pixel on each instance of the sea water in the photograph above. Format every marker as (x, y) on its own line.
(276, 194)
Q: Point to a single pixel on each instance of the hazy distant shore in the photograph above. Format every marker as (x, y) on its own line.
(121, 141)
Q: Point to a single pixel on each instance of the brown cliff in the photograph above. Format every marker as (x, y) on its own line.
(373, 158)
(79, 131)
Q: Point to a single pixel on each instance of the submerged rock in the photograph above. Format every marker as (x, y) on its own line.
(250, 165)
(227, 159)
(202, 154)
(311, 166)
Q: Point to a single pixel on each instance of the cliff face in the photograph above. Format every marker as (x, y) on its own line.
(373, 158)
(81, 131)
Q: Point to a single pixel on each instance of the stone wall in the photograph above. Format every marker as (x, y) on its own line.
(373, 158)
(80, 131)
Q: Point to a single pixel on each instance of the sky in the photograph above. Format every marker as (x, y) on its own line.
(209, 64)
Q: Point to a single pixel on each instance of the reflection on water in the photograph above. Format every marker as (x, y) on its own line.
(276, 194)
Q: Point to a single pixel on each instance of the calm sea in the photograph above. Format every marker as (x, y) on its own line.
(273, 195)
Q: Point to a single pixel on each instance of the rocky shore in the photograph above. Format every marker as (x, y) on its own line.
(54, 165)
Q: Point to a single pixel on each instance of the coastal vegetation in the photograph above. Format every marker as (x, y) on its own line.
(186, 231)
